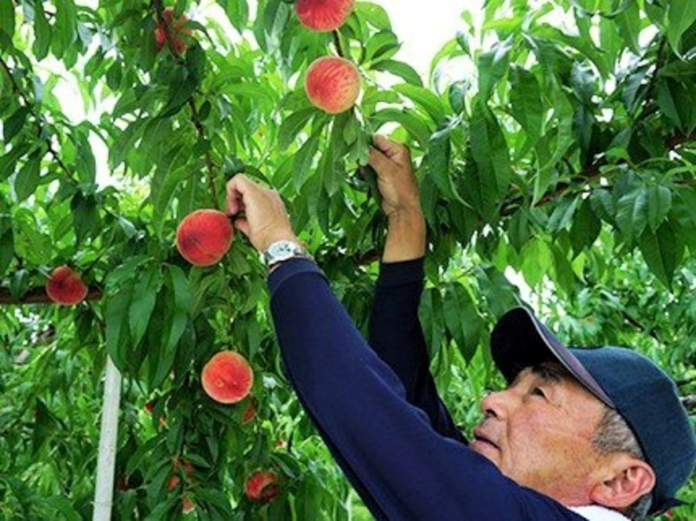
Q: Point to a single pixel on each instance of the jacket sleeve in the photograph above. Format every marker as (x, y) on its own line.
(401, 466)
(395, 334)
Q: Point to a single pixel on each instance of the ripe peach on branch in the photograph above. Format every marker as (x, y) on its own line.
(262, 486)
(332, 84)
(323, 15)
(227, 377)
(204, 236)
(172, 27)
(65, 287)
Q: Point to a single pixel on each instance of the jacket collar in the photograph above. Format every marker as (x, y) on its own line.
(598, 513)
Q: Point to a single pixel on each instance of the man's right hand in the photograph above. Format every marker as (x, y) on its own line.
(395, 177)
(398, 187)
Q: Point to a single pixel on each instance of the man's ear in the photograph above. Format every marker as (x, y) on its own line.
(625, 479)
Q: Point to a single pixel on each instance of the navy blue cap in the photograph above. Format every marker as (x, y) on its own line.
(642, 393)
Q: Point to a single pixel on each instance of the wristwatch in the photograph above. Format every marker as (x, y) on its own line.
(280, 251)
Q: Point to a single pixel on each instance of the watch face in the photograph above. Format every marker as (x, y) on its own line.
(280, 248)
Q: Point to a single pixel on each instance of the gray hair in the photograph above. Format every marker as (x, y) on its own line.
(614, 435)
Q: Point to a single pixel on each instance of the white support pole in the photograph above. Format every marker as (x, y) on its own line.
(103, 495)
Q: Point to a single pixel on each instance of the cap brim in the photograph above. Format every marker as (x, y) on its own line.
(519, 340)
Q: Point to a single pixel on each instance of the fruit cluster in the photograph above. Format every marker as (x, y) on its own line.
(203, 237)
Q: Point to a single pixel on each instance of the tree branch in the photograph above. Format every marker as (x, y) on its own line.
(195, 117)
(628, 318)
(39, 296)
(588, 176)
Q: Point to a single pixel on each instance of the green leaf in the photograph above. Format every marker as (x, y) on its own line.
(31, 243)
(42, 31)
(492, 66)
(180, 296)
(400, 69)
(85, 215)
(462, 320)
(61, 504)
(585, 229)
(425, 99)
(490, 151)
(304, 159)
(631, 213)
(381, 46)
(292, 125)
(116, 319)
(562, 215)
(662, 250)
(525, 99)
(143, 302)
(681, 14)
(373, 14)
(7, 242)
(29, 177)
(237, 12)
(437, 161)
(65, 27)
(659, 205)
(13, 125)
(409, 119)
(7, 18)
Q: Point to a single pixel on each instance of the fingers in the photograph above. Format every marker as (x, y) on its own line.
(391, 149)
(378, 160)
(237, 188)
(242, 225)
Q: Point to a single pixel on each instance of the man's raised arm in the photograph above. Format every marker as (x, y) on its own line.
(395, 333)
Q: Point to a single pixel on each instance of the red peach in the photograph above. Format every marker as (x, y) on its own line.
(65, 287)
(262, 486)
(333, 84)
(323, 15)
(174, 28)
(204, 236)
(227, 377)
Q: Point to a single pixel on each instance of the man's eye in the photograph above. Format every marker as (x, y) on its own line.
(538, 392)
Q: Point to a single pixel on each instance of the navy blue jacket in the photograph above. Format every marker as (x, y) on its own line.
(376, 406)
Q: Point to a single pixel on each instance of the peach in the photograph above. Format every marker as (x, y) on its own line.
(204, 236)
(174, 479)
(262, 486)
(227, 377)
(323, 15)
(187, 506)
(65, 287)
(174, 28)
(332, 84)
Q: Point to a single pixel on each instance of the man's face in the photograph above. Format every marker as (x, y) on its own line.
(539, 433)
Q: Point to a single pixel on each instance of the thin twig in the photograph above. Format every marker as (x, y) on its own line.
(30, 106)
(337, 44)
(195, 118)
(208, 158)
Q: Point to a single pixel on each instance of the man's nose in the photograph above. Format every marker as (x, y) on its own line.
(497, 404)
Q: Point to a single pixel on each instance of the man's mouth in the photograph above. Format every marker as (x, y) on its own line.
(481, 440)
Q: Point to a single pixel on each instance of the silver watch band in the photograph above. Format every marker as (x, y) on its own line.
(281, 251)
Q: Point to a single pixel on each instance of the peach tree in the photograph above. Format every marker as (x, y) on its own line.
(554, 146)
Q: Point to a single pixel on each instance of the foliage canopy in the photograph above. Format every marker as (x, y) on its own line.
(555, 140)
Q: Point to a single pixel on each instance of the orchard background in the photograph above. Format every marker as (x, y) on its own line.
(555, 147)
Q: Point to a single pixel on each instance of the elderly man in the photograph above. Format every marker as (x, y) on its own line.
(594, 433)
